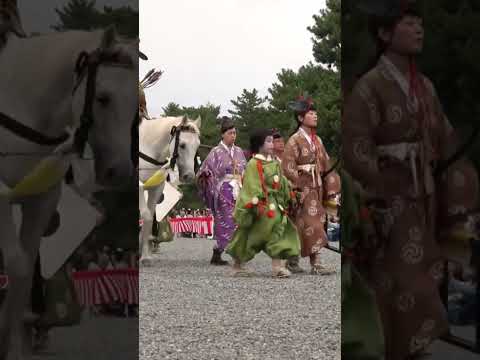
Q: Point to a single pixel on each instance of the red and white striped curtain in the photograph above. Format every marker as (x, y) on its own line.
(199, 225)
(106, 287)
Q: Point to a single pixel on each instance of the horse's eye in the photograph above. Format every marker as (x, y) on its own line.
(182, 146)
(104, 100)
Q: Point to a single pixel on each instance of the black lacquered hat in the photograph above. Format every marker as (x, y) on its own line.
(390, 8)
(302, 104)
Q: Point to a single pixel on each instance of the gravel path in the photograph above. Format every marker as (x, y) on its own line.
(192, 310)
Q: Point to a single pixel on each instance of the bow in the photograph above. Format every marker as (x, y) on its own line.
(334, 166)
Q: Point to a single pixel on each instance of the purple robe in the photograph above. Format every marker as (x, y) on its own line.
(214, 177)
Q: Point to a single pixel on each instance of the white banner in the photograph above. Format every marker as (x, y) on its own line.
(171, 197)
(77, 220)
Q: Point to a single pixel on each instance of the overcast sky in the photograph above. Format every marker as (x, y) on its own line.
(210, 49)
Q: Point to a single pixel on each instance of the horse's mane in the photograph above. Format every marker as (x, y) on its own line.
(150, 129)
(188, 125)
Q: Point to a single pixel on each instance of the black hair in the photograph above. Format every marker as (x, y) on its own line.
(276, 134)
(226, 124)
(377, 22)
(257, 139)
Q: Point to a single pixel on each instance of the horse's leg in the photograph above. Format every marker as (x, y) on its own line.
(15, 264)
(142, 207)
(144, 237)
(36, 214)
(153, 198)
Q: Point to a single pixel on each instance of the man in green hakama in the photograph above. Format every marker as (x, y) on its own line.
(261, 211)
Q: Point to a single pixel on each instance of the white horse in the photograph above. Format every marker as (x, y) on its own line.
(44, 89)
(161, 139)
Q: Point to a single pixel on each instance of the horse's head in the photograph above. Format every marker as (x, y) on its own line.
(106, 101)
(183, 147)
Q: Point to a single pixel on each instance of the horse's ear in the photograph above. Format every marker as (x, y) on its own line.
(198, 122)
(109, 37)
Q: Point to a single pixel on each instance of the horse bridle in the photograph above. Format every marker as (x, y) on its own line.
(87, 65)
(174, 136)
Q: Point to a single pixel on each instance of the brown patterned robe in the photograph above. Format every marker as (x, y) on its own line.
(310, 216)
(405, 263)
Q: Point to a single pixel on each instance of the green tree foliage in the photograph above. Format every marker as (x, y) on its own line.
(357, 46)
(172, 109)
(248, 113)
(327, 35)
(208, 113)
(84, 15)
(324, 86)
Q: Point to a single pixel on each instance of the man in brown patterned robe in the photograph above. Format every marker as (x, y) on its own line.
(304, 163)
(394, 133)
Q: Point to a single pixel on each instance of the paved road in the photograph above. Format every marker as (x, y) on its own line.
(192, 310)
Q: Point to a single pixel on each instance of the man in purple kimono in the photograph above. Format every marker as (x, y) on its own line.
(219, 180)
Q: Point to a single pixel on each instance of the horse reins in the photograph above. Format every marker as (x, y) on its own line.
(29, 133)
(174, 136)
(87, 65)
(85, 61)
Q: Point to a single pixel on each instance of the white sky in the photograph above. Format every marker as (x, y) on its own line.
(211, 50)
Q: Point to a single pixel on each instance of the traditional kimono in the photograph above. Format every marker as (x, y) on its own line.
(261, 214)
(391, 141)
(304, 161)
(219, 180)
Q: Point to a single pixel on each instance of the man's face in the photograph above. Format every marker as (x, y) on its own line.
(310, 119)
(278, 145)
(229, 137)
(406, 38)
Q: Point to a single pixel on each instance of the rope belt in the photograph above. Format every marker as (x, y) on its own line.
(235, 182)
(404, 151)
(311, 168)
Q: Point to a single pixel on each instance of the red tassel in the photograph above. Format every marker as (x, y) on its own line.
(249, 205)
(271, 213)
(261, 207)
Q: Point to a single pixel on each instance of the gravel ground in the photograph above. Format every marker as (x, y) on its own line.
(192, 310)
